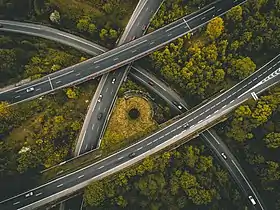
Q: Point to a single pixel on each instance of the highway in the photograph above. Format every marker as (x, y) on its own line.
(158, 87)
(119, 56)
(197, 119)
(94, 127)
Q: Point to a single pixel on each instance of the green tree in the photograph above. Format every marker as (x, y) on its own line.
(242, 67)
(272, 140)
(215, 28)
(235, 14)
(71, 93)
(94, 194)
(92, 28)
(83, 25)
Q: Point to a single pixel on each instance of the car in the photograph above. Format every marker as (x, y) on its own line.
(100, 115)
(1, 26)
(186, 125)
(180, 107)
(252, 200)
(100, 98)
(224, 156)
(29, 194)
(113, 80)
(132, 155)
(144, 27)
(133, 38)
(151, 83)
(30, 89)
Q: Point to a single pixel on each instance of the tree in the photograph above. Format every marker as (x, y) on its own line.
(215, 28)
(103, 34)
(5, 110)
(92, 28)
(235, 14)
(55, 17)
(83, 25)
(94, 193)
(242, 67)
(113, 34)
(272, 140)
(71, 93)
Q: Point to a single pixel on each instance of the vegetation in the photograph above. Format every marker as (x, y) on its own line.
(253, 132)
(222, 54)
(122, 127)
(178, 179)
(26, 57)
(96, 20)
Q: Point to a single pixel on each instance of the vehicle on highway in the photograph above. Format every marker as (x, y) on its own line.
(151, 83)
(29, 194)
(224, 156)
(252, 200)
(100, 115)
(144, 27)
(30, 89)
(176, 104)
(1, 26)
(132, 155)
(132, 38)
(100, 98)
(113, 80)
(186, 125)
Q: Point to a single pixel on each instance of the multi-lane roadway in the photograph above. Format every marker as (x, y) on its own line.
(189, 123)
(119, 56)
(103, 100)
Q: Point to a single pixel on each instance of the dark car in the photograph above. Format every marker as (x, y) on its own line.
(151, 83)
(132, 155)
(100, 115)
(1, 26)
(186, 125)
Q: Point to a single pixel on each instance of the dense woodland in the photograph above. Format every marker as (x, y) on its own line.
(42, 132)
(186, 178)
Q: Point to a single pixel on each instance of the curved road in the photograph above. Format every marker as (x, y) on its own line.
(197, 119)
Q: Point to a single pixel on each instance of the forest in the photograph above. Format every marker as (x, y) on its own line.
(41, 133)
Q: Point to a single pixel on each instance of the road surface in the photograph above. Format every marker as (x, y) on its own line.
(197, 119)
(119, 56)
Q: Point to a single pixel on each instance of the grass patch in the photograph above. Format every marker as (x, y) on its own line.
(122, 127)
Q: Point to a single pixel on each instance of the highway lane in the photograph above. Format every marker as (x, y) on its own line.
(119, 56)
(94, 127)
(158, 87)
(196, 119)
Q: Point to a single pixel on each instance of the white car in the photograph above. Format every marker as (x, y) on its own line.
(252, 200)
(29, 194)
(100, 98)
(224, 156)
(180, 107)
(113, 80)
(30, 89)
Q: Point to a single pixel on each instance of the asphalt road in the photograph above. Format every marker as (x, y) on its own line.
(144, 77)
(94, 128)
(196, 119)
(119, 56)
